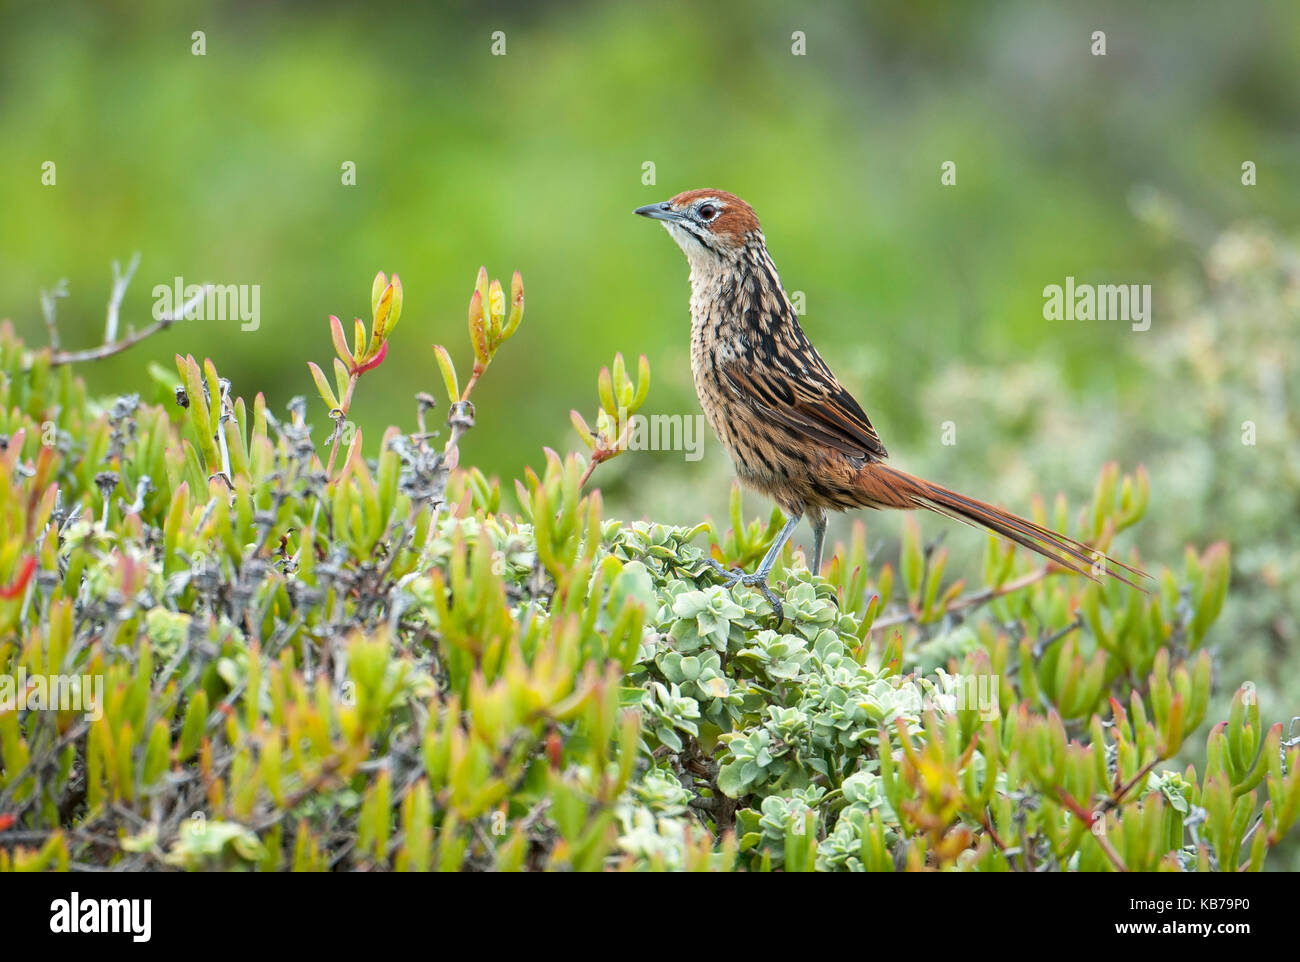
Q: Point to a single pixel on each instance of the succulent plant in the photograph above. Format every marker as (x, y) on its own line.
(385, 666)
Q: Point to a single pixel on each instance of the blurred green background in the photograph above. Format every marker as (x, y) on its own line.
(927, 300)
(226, 167)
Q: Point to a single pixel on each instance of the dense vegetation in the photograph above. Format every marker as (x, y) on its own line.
(359, 656)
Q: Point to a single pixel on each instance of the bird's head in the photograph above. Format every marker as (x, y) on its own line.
(707, 224)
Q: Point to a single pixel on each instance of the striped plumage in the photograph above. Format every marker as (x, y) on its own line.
(793, 431)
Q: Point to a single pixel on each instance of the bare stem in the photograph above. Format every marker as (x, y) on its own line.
(120, 282)
(49, 310)
(338, 427)
(1089, 819)
(973, 599)
(1122, 790)
(591, 466)
(108, 350)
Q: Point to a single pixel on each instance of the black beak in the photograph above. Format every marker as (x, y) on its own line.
(662, 211)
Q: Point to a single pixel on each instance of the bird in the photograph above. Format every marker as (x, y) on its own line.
(793, 431)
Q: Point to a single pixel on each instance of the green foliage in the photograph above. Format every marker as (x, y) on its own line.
(1211, 424)
(384, 667)
(620, 398)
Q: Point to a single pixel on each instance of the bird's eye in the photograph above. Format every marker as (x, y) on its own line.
(708, 212)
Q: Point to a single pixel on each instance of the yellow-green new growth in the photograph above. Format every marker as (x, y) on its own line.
(489, 328)
(352, 362)
(620, 398)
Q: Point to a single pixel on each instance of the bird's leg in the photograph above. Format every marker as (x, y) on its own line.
(819, 537)
(759, 578)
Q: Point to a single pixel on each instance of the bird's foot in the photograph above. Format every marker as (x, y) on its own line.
(738, 577)
(729, 576)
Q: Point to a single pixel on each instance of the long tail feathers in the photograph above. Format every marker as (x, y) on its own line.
(888, 487)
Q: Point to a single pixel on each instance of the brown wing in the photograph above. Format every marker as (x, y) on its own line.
(807, 400)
